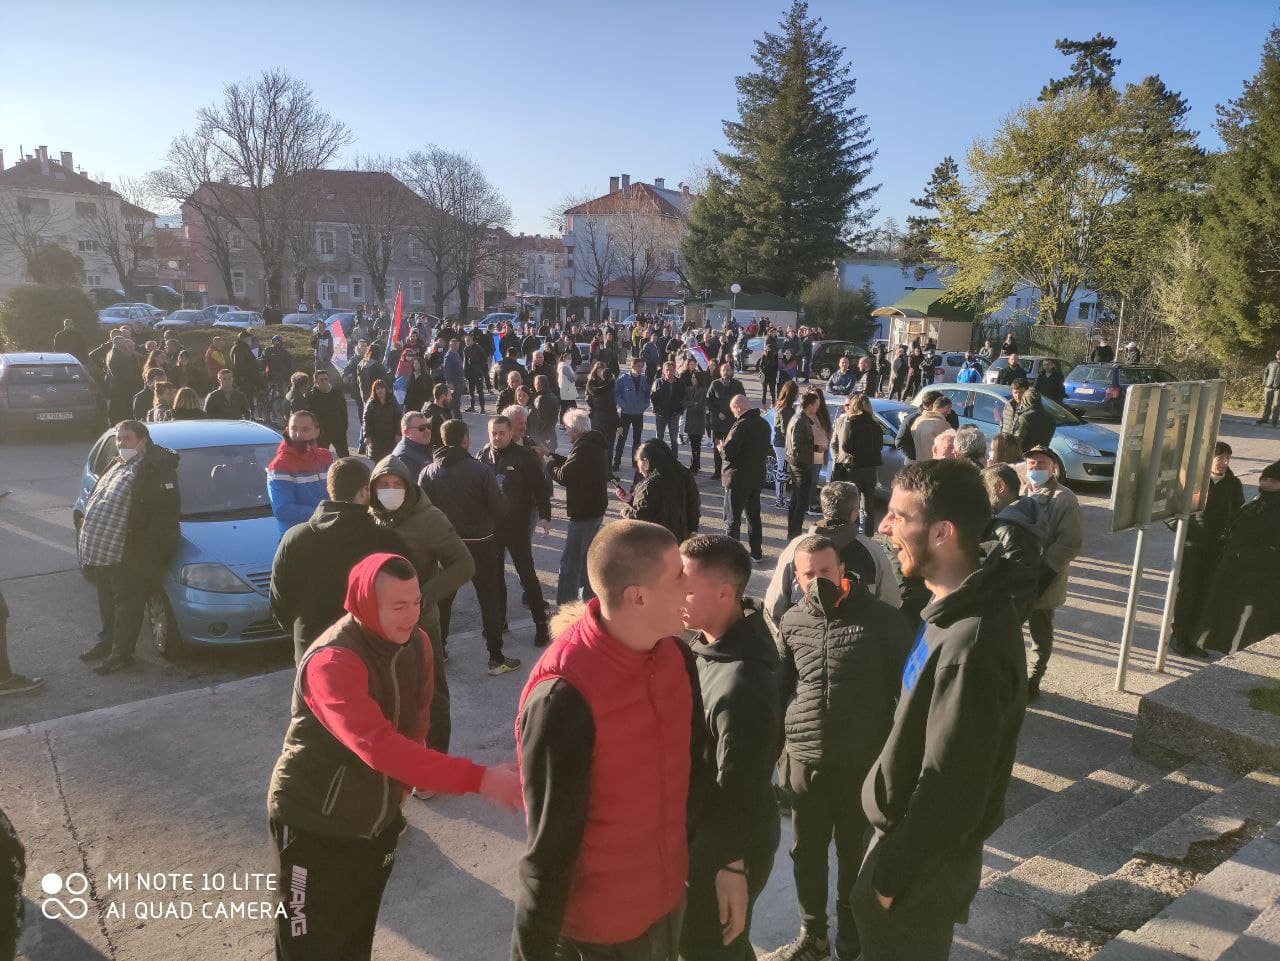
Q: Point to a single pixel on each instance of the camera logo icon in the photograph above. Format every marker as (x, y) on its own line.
(74, 885)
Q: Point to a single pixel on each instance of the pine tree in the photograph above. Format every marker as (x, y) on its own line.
(920, 251)
(705, 247)
(799, 159)
(1241, 242)
(1092, 69)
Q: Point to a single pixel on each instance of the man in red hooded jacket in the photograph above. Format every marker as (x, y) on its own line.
(354, 748)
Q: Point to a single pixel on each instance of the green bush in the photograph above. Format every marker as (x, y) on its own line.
(32, 315)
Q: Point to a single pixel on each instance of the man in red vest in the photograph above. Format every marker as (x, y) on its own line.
(604, 734)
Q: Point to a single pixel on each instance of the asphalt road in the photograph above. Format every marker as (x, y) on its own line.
(54, 611)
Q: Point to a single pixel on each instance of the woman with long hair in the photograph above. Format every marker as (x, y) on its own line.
(418, 386)
(769, 374)
(696, 381)
(601, 402)
(784, 408)
(381, 420)
(857, 452)
(371, 369)
(666, 492)
(162, 403)
(186, 405)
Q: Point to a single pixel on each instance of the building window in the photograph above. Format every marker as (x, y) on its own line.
(1086, 308)
(34, 206)
(357, 245)
(415, 250)
(357, 288)
(325, 242)
(92, 280)
(237, 283)
(328, 288)
(89, 246)
(86, 210)
(237, 242)
(417, 292)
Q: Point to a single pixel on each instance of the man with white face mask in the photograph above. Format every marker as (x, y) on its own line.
(127, 538)
(309, 574)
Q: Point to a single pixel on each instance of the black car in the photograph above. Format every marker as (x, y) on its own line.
(825, 359)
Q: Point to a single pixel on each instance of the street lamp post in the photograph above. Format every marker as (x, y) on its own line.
(735, 289)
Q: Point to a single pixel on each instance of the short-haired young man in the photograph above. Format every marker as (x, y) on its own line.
(296, 474)
(842, 653)
(936, 793)
(309, 573)
(606, 725)
(734, 837)
(354, 747)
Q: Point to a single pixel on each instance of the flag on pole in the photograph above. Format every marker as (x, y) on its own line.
(397, 324)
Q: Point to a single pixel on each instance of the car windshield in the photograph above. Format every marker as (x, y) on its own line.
(27, 375)
(185, 315)
(217, 483)
(1059, 413)
(237, 316)
(115, 312)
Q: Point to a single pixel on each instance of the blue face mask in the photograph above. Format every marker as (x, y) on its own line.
(1039, 477)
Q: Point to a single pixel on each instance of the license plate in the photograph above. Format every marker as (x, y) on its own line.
(56, 415)
(1084, 390)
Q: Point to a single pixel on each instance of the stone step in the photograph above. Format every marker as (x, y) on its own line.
(1051, 880)
(1254, 798)
(1210, 919)
(1036, 829)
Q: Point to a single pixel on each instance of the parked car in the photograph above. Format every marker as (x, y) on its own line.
(153, 313)
(215, 591)
(181, 319)
(1099, 389)
(161, 295)
(214, 311)
(105, 296)
(949, 364)
(240, 320)
(301, 321)
(826, 355)
(755, 350)
(121, 314)
(1082, 451)
(889, 415)
(582, 369)
(43, 389)
(491, 321)
(1030, 363)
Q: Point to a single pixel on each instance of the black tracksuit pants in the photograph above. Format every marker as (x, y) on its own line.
(332, 891)
(701, 940)
(518, 543)
(661, 942)
(487, 582)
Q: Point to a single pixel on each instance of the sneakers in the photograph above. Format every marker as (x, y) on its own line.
(423, 795)
(541, 636)
(1188, 650)
(20, 684)
(96, 653)
(758, 558)
(504, 666)
(1033, 689)
(112, 664)
(804, 948)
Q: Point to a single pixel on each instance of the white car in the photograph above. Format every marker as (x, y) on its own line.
(1030, 363)
(154, 312)
(950, 362)
(121, 314)
(240, 320)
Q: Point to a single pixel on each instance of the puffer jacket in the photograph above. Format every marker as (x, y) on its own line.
(842, 655)
(436, 551)
(1033, 425)
(671, 500)
(857, 441)
(602, 404)
(1016, 537)
(466, 491)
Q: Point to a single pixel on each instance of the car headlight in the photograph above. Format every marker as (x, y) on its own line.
(215, 578)
(1080, 447)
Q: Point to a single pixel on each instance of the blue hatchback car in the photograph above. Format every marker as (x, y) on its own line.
(1099, 389)
(215, 593)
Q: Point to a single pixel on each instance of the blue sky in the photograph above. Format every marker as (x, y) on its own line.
(553, 97)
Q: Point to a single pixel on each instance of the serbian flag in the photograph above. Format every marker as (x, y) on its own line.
(397, 323)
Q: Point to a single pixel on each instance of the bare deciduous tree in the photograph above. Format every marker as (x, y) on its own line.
(645, 237)
(504, 266)
(122, 229)
(266, 135)
(595, 254)
(380, 210)
(27, 224)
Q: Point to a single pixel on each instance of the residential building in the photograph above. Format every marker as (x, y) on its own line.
(327, 264)
(606, 240)
(47, 202)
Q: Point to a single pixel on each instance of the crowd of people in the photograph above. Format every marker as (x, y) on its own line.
(878, 686)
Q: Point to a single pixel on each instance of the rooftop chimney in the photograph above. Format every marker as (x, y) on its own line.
(684, 188)
(613, 185)
(43, 151)
(66, 160)
(626, 180)
(660, 183)
(1, 160)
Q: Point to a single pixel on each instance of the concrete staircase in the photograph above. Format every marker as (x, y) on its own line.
(1135, 863)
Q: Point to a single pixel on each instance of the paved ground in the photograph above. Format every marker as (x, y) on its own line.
(163, 769)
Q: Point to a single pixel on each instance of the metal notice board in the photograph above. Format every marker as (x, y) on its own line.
(1167, 436)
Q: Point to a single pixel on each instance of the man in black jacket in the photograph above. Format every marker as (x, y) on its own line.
(667, 397)
(585, 476)
(127, 538)
(225, 402)
(936, 793)
(330, 408)
(475, 364)
(720, 418)
(468, 493)
(523, 484)
(842, 655)
(1016, 528)
(309, 573)
(745, 449)
(734, 837)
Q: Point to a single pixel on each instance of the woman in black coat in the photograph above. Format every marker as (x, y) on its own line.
(418, 387)
(601, 401)
(858, 452)
(381, 421)
(666, 493)
(1050, 382)
(696, 381)
(769, 375)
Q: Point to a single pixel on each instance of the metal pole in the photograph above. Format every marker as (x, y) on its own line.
(1175, 573)
(1131, 608)
(1120, 327)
